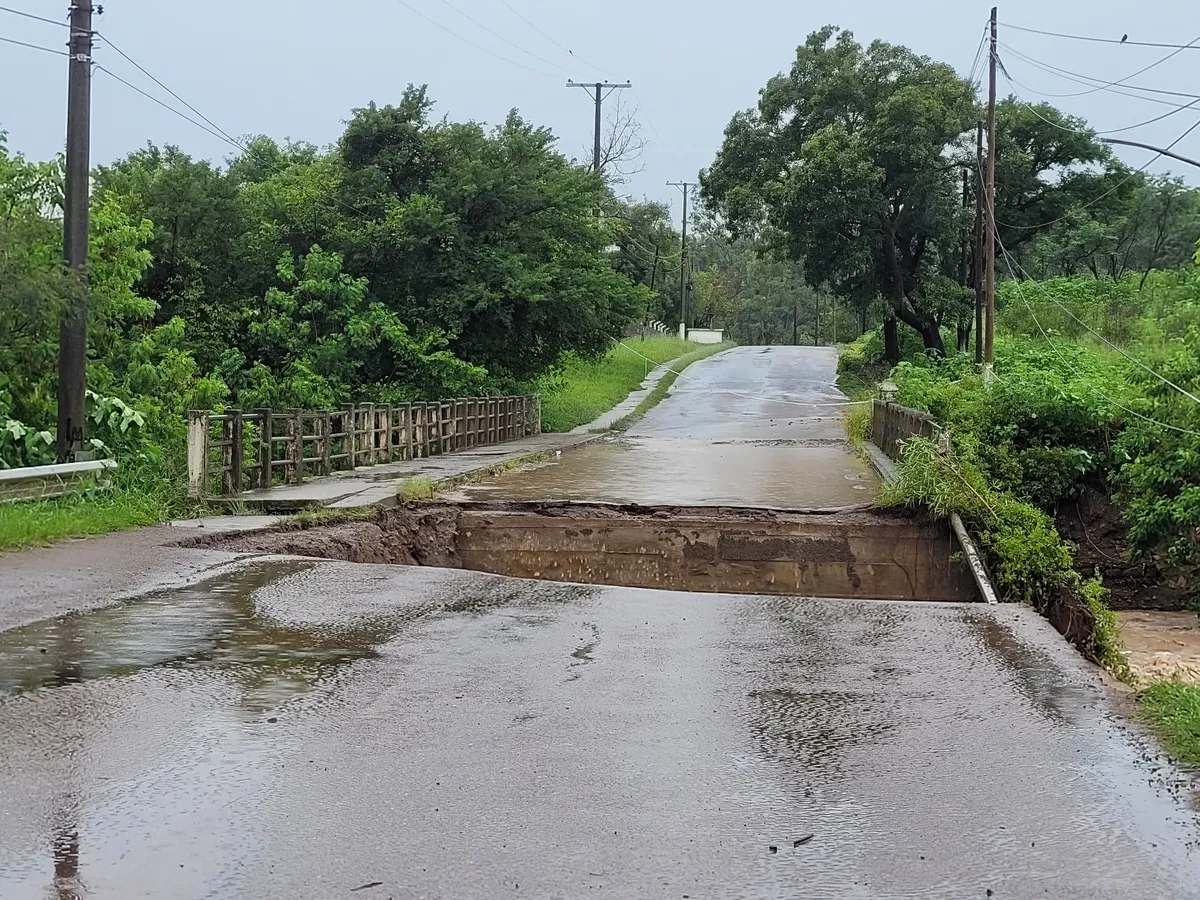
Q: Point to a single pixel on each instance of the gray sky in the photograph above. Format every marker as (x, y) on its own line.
(296, 68)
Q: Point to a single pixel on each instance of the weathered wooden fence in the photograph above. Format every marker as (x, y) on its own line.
(235, 451)
(892, 425)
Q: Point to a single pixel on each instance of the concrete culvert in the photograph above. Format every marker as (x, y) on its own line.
(861, 554)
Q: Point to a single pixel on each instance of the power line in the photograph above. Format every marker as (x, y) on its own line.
(1009, 263)
(498, 35)
(1093, 131)
(1099, 40)
(1140, 71)
(219, 135)
(1091, 81)
(560, 46)
(1134, 173)
(28, 15)
(35, 47)
(1075, 371)
(141, 69)
(978, 56)
(466, 40)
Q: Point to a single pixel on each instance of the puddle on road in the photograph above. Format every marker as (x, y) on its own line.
(813, 473)
(215, 623)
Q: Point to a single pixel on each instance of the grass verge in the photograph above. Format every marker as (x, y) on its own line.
(1174, 713)
(660, 390)
(584, 389)
(39, 522)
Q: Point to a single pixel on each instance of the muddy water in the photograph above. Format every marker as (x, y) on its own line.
(469, 736)
(751, 426)
(1162, 645)
(686, 472)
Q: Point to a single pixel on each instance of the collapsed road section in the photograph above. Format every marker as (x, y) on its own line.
(854, 554)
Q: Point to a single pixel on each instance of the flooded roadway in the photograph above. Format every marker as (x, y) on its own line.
(458, 735)
(317, 729)
(750, 426)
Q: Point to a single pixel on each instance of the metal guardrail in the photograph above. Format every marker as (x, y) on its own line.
(37, 482)
(235, 451)
(892, 425)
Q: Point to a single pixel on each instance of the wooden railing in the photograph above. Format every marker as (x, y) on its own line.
(892, 425)
(235, 451)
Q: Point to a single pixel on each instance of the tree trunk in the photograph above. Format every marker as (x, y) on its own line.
(891, 341)
(931, 334)
(964, 335)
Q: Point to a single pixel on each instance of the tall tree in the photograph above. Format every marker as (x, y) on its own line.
(846, 164)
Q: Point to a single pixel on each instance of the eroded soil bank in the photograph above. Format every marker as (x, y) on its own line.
(852, 554)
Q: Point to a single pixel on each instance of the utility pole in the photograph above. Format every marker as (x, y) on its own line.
(989, 244)
(72, 336)
(602, 90)
(977, 263)
(686, 187)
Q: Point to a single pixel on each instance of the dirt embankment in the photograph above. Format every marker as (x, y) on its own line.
(1096, 528)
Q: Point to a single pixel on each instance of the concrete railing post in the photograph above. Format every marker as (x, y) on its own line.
(197, 453)
(231, 480)
(295, 432)
(266, 455)
(324, 424)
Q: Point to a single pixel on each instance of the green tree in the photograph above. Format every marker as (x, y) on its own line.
(845, 163)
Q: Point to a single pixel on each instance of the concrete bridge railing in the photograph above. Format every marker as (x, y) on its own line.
(893, 424)
(235, 451)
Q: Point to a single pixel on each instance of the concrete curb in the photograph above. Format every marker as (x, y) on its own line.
(887, 471)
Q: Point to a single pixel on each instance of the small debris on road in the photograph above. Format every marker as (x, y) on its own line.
(799, 842)
(773, 848)
(369, 884)
(273, 720)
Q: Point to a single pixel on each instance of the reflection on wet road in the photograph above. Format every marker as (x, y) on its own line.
(750, 426)
(463, 735)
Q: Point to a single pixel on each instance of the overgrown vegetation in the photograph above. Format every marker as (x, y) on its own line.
(1028, 560)
(579, 389)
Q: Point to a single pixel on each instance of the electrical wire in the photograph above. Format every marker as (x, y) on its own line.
(168, 107)
(560, 46)
(140, 68)
(467, 40)
(1144, 69)
(1091, 81)
(1009, 261)
(1081, 37)
(978, 56)
(28, 15)
(1133, 174)
(35, 46)
(501, 37)
(1093, 131)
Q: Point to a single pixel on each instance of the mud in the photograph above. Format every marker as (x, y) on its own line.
(853, 554)
(1099, 535)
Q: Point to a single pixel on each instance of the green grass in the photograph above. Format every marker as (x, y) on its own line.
(585, 389)
(1174, 712)
(33, 523)
(664, 384)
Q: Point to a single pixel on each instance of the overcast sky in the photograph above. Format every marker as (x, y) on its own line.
(295, 68)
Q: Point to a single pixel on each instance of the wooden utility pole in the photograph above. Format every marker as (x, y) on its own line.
(977, 262)
(989, 245)
(686, 187)
(602, 89)
(72, 336)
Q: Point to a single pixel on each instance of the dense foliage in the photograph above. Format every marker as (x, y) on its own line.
(416, 258)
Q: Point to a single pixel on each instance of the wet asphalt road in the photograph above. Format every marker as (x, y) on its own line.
(755, 426)
(300, 729)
